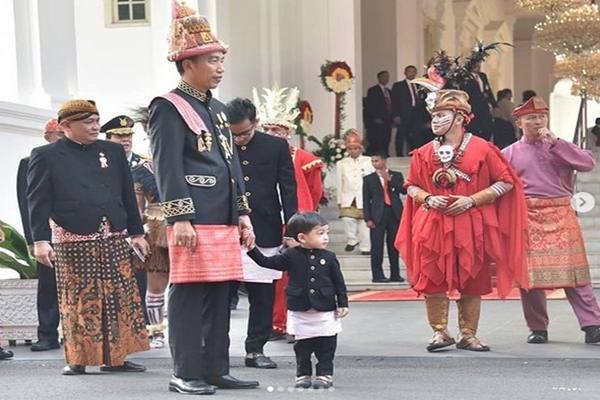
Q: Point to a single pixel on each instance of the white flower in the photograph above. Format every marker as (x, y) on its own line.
(338, 150)
(339, 156)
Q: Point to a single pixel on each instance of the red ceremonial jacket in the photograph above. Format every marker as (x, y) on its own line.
(309, 184)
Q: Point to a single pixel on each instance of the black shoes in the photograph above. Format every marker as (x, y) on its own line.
(396, 279)
(195, 386)
(127, 366)
(45, 345)
(229, 382)
(365, 253)
(276, 335)
(538, 337)
(350, 247)
(322, 382)
(4, 354)
(380, 280)
(592, 334)
(70, 370)
(259, 360)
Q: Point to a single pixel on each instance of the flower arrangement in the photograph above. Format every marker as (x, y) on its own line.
(331, 149)
(337, 77)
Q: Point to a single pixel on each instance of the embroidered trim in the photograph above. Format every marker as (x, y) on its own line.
(312, 164)
(201, 180)
(178, 207)
(195, 93)
(243, 205)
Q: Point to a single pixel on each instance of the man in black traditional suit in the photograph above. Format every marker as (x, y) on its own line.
(482, 103)
(268, 176)
(378, 109)
(47, 298)
(405, 103)
(200, 185)
(382, 209)
(82, 212)
(120, 130)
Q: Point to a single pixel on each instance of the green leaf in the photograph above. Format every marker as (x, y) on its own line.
(16, 255)
(25, 270)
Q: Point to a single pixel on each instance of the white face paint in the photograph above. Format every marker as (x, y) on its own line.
(441, 121)
(445, 153)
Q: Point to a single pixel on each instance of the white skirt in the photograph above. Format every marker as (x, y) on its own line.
(257, 274)
(312, 323)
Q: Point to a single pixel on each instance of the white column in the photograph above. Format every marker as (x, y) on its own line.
(9, 89)
(410, 32)
(27, 35)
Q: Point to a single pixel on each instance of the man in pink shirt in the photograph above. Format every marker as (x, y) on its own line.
(556, 256)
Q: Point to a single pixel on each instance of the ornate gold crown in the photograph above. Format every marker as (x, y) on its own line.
(279, 106)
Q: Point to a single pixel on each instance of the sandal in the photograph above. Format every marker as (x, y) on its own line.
(472, 343)
(440, 340)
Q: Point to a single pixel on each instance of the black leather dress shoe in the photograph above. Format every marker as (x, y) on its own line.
(194, 386)
(396, 279)
(380, 280)
(365, 253)
(537, 337)
(350, 247)
(45, 345)
(73, 370)
(229, 382)
(127, 366)
(275, 335)
(4, 354)
(259, 360)
(592, 334)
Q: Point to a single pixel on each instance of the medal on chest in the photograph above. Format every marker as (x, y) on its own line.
(103, 160)
(204, 141)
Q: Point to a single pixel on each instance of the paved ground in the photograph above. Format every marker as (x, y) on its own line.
(381, 354)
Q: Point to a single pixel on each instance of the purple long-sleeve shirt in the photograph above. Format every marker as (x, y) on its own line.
(547, 171)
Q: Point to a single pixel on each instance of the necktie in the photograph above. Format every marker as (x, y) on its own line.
(388, 100)
(387, 200)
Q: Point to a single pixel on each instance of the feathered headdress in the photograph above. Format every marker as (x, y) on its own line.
(278, 106)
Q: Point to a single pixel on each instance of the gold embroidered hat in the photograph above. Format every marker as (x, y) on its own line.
(450, 99)
(121, 125)
(535, 105)
(190, 34)
(76, 110)
(278, 106)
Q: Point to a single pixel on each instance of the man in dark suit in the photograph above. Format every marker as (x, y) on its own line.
(47, 298)
(405, 103)
(82, 208)
(268, 176)
(482, 103)
(382, 212)
(378, 110)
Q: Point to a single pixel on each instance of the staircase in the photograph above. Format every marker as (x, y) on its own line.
(357, 268)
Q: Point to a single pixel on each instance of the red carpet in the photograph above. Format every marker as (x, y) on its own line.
(411, 295)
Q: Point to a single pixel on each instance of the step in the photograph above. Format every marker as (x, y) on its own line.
(368, 285)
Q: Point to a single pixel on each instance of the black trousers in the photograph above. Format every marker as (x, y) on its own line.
(47, 304)
(199, 329)
(385, 230)
(379, 136)
(324, 349)
(260, 318)
(141, 278)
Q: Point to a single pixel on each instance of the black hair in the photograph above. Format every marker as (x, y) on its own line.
(304, 223)
(240, 109)
(179, 63)
(141, 114)
(409, 66)
(380, 154)
(381, 73)
(597, 121)
(528, 94)
(503, 93)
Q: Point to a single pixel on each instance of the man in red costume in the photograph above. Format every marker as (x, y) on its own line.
(465, 213)
(276, 113)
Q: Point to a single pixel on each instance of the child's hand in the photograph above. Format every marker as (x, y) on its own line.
(341, 312)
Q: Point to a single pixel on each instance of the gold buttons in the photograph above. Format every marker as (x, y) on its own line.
(322, 261)
(243, 147)
(312, 279)
(245, 162)
(312, 291)
(246, 178)
(312, 257)
(312, 267)
(247, 194)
